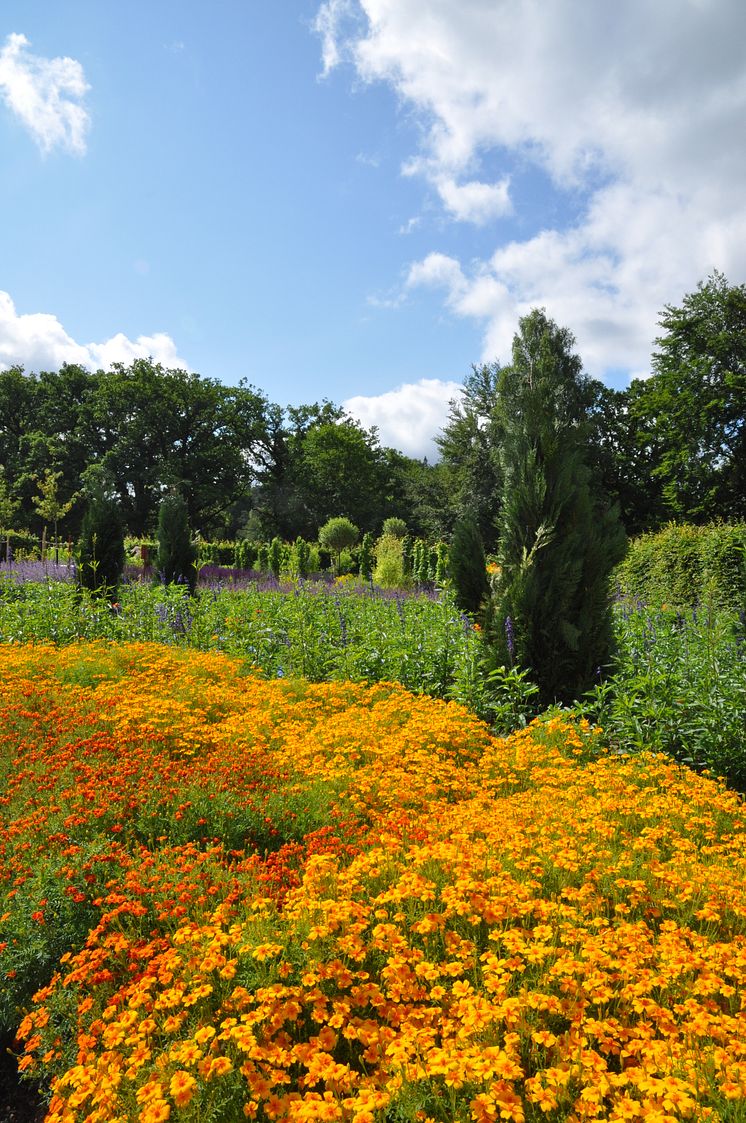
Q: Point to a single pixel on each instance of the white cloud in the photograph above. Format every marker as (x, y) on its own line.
(332, 17)
(46, 95)
(409, 417)
(38, 341)
(475, 202)
(636, 108)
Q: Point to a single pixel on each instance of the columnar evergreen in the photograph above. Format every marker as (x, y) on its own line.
(468, 566)
(101, 546)
(177, 553)
(557, 542)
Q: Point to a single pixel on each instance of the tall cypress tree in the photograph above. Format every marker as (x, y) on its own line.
(177, 554)
(557, 542)
(467, 565)
(101, 546)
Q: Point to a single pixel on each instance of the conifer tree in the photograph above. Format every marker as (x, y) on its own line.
(177, 554)
(468, 566)
(557, 542)
(101, 546)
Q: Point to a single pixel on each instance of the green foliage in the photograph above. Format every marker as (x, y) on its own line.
(389, 568)
(684, 565)
(275, 557)
(100, 548)
(558, 544)
(355, 633)
(262, 558)
(366, 557)
(407, 549)
(468, 566)
(441, 564)
(396, 528)
(503, 696)
(470, 452)
(300, 562)
(678, 687)
(694, 406)
(338, 534)
(245, 553)
(8, 504)
(177, 554)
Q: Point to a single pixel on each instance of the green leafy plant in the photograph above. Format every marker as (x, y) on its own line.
(338, 534)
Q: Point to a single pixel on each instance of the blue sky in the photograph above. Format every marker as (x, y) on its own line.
(357, 199)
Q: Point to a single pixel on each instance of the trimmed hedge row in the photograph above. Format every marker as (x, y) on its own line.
(683, 564)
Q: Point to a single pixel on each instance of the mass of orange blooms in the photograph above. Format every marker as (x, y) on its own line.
(339, 902)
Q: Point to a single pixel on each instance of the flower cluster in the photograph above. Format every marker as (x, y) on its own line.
(432, 924)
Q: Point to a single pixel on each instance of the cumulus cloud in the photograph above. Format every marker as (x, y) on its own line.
(409, 417)
(46, 95)
(38, 341)
(635, 111)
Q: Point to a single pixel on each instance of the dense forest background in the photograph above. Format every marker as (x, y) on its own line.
(671, 446)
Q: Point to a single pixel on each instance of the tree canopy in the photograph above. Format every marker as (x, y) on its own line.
(671, 446)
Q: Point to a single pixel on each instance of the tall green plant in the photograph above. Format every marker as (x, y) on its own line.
(366, 559)
(177, 554)
(468, 566)
(558, 544)
(101, 546)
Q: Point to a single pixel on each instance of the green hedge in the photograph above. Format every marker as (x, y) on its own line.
(682, 564)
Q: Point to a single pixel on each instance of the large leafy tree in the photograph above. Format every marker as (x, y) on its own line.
(40, 432)
(152, 428)
(338, 468)
(622, 455)
(693, 409)
(558, 540)
(469, 446)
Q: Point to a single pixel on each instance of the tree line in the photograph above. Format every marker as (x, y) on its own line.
(670, 446)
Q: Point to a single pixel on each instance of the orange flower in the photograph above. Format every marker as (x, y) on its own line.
(182, 1087)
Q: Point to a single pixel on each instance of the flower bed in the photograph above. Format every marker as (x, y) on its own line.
(237, 898)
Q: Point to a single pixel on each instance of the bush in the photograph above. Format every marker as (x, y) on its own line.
(23, 545)
(389, 569)
(245, 554)
(177, 554)
(394, 527)
(678, 687)
(300, 561)
(275, 557)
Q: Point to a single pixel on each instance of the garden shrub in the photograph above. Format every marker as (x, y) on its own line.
(338, 534)
(397, 528)
(245, 554)
(389, 567)
(682, 565)
(366, 557)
